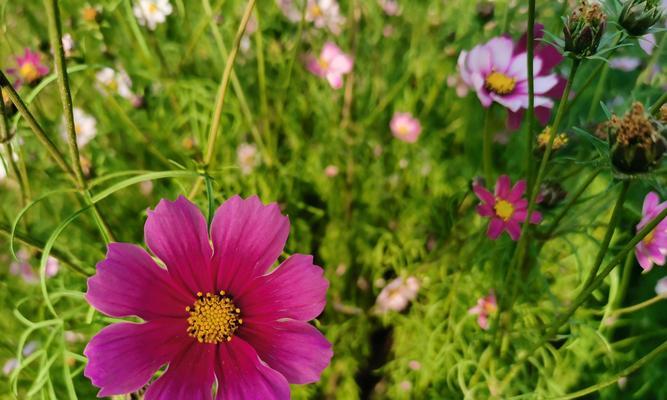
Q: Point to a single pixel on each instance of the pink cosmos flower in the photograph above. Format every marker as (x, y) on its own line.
(653, 249)
(214, 313)
(405, 127)
(332, 64)
(506, 207)
(484, 308)
(29, 69)
(498, 72)
(626, 64)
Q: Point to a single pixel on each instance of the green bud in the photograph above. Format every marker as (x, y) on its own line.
(638, 16)
(584, 28)
(637, 141)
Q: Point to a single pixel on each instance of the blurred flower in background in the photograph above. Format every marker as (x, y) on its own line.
(85, 127)
(248, 157)
(486, 306)
(325, 14)
(110, 81)
(29, 69)
(661, 287)
(151, 13)
(11, 364)
(332, 64)
(397, 294)
(68, 45)
(653, 248)
(405, 127)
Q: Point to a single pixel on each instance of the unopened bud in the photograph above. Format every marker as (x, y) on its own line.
(584, 28)
(638, 16)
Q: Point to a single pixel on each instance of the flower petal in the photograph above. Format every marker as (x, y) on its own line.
(176, 233)
(503, 186)
(247, 237)
(501, 49)
(517, 191)
(122, 357)
(484, 194)
(296, 349)
(128, 282)
(296, 289)
(650, 202)
(496, 227)
(514, 229)
(242, 376)
(190, 375)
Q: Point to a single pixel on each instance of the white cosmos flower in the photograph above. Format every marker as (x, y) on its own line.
(111, 81)
(248, 157)
(325, 14)
(85, 126)
(151, 13)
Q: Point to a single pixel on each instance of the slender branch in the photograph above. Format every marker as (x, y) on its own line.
(573, 199)
(222, 93)
(5, 139)
(530, 113)
(639, 306)
(487, 147)
(655, 108)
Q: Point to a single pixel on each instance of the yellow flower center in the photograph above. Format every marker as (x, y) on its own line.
(649, 238)
(112, 85)
(324, 64)
(316, 11)
(504, 209)
(77, 128)
(152, 8)
(403, 130)
(213, 318)
(500, 83)
(29, 72)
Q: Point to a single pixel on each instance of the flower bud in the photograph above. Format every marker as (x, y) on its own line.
(638, 16)
(485, 10)
(637, 141)
(584, 28)
(560, 141)
(551, 194)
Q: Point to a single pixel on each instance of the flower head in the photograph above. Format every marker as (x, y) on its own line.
(332, 64)
(638, 16)
(661, 287)
(506, 207)
(485, 307)
(584, 28)
(85, 127)
(214, 313)
(637, 142)
(29, 69)
(498, 72)
(397, 294)
(405, 127)
(68, 45)
(653, 248)
(151, 13)
(248, 157)
(325, 14)
(110, 81)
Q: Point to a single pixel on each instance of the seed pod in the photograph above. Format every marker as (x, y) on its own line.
(638, 16)
(637, 141)
(584, 28)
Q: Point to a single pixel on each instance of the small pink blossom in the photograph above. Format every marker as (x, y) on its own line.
(397, 294)
(506, 207)
(498, 72)
(414, 365)
(653, 248)
(390, 7)
(331, 171)
(332, 64)
(661, 287)
(325, 14)
(29, 69)
(484, 308)
(626, 64)
(405, 127)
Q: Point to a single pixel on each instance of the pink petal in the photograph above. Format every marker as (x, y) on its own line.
(550, 57)
(485, 210)
(296, 349)
(517, 191)
(479, 60)
(650, 202)
(190, 375)
(535, 217)
(122, 357)
(296, 289)
(242, 376)
(496, 227)
(483, 321)
(330, 51)
(248, 238)
(514, 120)
(543, 114)
(335, 80)
(503, 186)
(176, 233)
(483, 194)
(342, 63)
(643, 259)
(519, 67)
(313, 65)
(128, 282)
(501, 49)
(514, 229)
(513, 102)
(463, 68)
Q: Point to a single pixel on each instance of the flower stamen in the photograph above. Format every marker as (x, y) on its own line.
(504, 209)
(29, 72)
(500, 83)
(213, 318)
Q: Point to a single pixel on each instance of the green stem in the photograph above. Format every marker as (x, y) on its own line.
(655, 108)
(604, 246)
(261, 78)
(5, 139)
(55, 35)
(487, 148)
(531, 93)
(597, 95)
(222, 92)
(571, 202)
(638, 306)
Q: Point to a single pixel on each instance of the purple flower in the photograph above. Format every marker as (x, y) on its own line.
(214, 313)
(29, 69)
(498, 72)
(626, 64)
(485, 307)
(653, 248)
(506, 207)
(332, 64)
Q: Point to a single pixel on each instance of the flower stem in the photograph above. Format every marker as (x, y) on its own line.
(597, 95)
(55, 35)
(531, 93)
(655, 108)
(487, 148)
(222, 93)
(5, 139)
(573, 199)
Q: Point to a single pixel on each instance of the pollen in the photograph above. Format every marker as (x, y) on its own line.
(29, 72)
(500, 83)
(559, 141)
(504, 209)
(213, 318)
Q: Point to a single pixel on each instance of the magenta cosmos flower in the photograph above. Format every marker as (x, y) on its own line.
(405, 127)
(653, 249)
(332, 64)
(214, 313)
(507, 208)
(498, 72)
(484, 308)
(29, 69)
